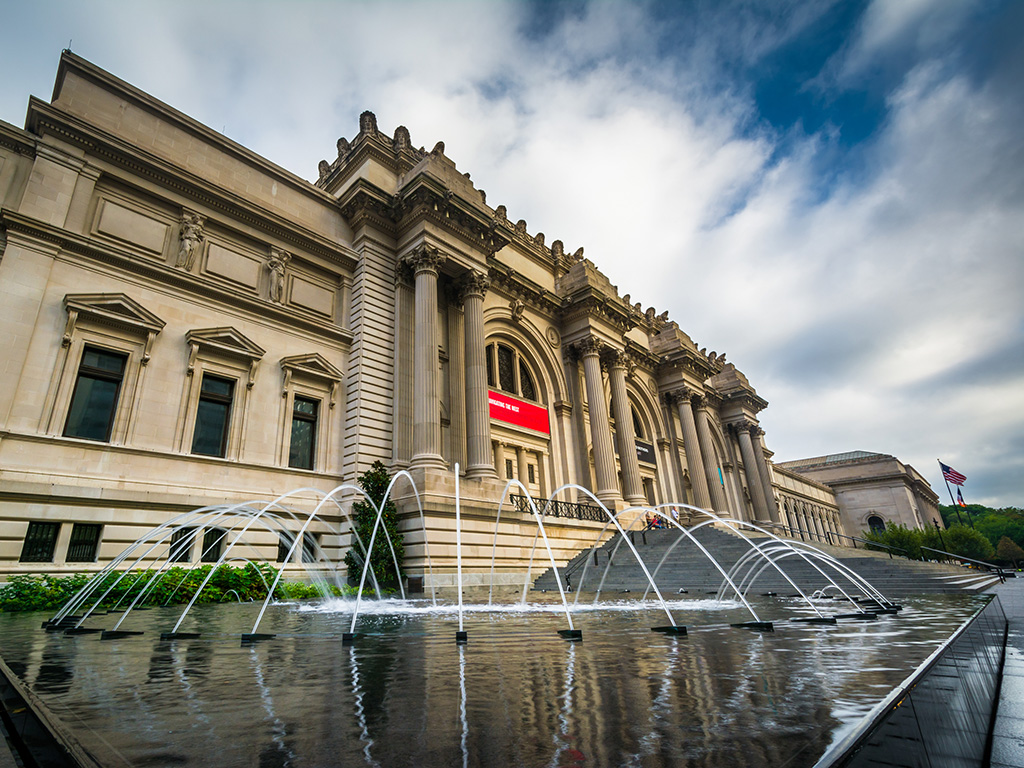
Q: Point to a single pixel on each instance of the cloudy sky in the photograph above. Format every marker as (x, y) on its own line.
(831, 193)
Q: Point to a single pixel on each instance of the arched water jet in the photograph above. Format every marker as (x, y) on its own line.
(572, 633)
(349, 636)
(781, 551)
(754, 552)
(613, 519)
(672, 627)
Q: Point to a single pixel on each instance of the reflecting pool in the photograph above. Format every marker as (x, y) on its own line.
(404, 693)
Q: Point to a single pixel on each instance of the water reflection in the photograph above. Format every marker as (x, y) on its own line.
(517, 694)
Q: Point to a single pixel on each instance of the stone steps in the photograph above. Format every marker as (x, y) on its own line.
(688, 569)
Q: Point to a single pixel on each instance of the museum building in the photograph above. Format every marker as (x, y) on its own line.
(185, 323)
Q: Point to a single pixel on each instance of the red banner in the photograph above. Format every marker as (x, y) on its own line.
(519, 412)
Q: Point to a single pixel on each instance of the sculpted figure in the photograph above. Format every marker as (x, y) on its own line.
(191, 236)
(343, 146)
(578, 255)
(402, 139)
(517, 307)
(276, 266)
(367, 122)
(324, 168)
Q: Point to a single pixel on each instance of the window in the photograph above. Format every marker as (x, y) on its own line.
(40, 541)
(638, 427)
(85, 539)
(513, 373)
(181, 545)
(213, 545)
(508, 469)
(284, 545)
(94, 401)
(876, 524)
(310, 546)
(302, 451)
(213, 415)
(532, 472)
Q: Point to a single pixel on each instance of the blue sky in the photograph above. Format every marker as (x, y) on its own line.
(831, 193)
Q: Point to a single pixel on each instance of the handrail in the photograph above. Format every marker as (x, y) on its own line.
(554, 508)
(888, 547)
(989, 566)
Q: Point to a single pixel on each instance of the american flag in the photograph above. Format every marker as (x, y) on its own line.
(950, 475)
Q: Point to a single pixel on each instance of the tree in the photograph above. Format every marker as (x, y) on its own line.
(968, 542)
(375, 482)
(1008, 551)
(899, 536)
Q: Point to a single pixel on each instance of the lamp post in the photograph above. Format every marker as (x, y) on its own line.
(939, 530)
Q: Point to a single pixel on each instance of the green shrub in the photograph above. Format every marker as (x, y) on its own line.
(375, 483)
(175, 586)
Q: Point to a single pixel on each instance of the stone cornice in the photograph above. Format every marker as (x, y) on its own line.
(510, 283)
(590, 302)
(426, 199)
(123, 258)
(365, 204)
(396, 154)
(21, 142)
(687, 361)
(45, 118)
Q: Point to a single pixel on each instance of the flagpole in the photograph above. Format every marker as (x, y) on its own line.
(950, 492)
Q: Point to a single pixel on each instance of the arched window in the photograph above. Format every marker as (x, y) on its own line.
(509, 372)
(638, 427)
(876, 524)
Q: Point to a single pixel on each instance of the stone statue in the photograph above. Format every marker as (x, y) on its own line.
(438, 148)
(367, 122)
(577, 256)
(276, 266)
(190, 237)
(324, 168)
(539, 239)
(517, 307)
(402, 139)
(343, 146)
(557, 250)
(521, 227)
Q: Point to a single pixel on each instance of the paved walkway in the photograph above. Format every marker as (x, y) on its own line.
(1008, 738)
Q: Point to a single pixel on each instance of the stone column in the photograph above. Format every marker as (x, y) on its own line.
(753, 474)
(426, 425)
(457, 380)
(708, 452)
(542, 479)
(632, 486)
(478, 418)
(694, 460)
(604, 455)
(757, 435)
(521, 468)
(401, 448)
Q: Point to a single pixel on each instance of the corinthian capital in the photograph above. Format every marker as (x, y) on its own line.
(590, 346)
(426, 258)
(474, 284)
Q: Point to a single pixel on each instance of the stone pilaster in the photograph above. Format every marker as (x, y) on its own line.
(604, 455)
(426, 426)
(456, 380)
(757, 434)
(478, 419)
(629, 465)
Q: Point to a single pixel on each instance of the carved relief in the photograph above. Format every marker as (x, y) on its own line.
(276, 266)
(475, 284)
(553, 337)
(577, 256)
(189, 239)
(426, 258)
(517, 307)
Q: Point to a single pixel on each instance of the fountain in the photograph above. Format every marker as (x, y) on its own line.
(176, 686)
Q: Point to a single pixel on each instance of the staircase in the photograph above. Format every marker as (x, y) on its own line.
(688, 569)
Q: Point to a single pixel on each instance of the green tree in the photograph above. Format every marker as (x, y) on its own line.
(375, 482)
(1009, 552)
(899, 536)
(968, 542)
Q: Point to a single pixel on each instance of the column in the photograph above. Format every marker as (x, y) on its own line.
(632, 486)
(478, 415)
(765, 473)
(694, 460)
(521, 468)
(708, 452)
(456, 378)
(754, 485)
(542, 475)
(499, 464)
(600, 435)
(426, 425)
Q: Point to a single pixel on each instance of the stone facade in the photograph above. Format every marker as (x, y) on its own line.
(872, 489)
(185, 323)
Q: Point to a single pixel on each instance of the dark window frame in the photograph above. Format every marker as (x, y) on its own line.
(84, 543)
(182, 554)
(300, 420)
(40, 543)
(74, 427)
(208, 399)
(213, 545)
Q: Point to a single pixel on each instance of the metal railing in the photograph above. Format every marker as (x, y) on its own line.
(569, 509)
(991, 567)
(834, 539)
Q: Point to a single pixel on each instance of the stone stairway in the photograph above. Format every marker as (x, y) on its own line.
(686, 568)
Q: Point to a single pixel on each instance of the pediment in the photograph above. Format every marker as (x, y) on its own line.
(314, 364)
(226, 340)
(113, 309)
